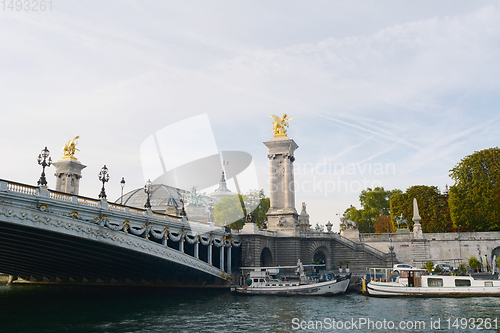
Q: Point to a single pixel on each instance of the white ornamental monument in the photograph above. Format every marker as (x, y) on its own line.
(282, 215)
(417, 227)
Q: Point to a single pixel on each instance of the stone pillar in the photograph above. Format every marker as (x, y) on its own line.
(68, 174)
(229, 268)
(210, 253)
(181, 245)
(282, 215)
(197, 249)
(222, 257)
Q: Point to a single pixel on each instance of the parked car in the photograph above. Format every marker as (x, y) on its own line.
(399, 267)
(445, 267)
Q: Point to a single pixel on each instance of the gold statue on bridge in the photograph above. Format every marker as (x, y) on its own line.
(279, 125)
(69, 149)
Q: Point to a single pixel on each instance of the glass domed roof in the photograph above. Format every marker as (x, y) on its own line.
(162, 196)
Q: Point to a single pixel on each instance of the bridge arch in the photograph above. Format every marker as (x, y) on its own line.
(266, 258)
(319, 252)
(495, 252)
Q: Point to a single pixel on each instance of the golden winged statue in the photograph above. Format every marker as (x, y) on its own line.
(69, 148)
(279, 125)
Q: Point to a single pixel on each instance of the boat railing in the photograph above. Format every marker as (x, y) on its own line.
(382, 274)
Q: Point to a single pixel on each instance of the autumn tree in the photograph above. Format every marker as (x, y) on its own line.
(383, 224)
(374, 202)
(432, 208)
(475, 197)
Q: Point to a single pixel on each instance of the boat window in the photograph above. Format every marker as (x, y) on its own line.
(462, 283)
(488, 283)
(261, 280)
(435, 282)
(255, 280)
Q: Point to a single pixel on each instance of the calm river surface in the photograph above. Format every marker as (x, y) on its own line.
(113, 309)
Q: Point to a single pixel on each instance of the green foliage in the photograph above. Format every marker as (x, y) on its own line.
(229, 210)
(432, 208)
(475, 196)
(375, 203)
(498, 262)
(233, 210)
(473, 262)
(429, 265)
(340, 263)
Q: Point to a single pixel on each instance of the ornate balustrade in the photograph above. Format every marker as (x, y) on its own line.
(119, 225)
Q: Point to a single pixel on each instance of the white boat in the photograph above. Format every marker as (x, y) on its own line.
(414, 282)
(272, 281)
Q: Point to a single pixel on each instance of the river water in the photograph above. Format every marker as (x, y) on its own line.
(116, 309)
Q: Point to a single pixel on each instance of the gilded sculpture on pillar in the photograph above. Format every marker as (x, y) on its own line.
(69, 148)
(280, 125)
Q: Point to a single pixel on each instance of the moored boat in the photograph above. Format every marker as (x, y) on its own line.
(273, 281)
(414, 282)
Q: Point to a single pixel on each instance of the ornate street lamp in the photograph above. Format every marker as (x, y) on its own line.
(391, 248)
(42, 160)
(103, 177)
(122, 184)
(148, 188)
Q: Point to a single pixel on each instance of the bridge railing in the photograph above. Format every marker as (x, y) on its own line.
(10, 186)
(18, 187)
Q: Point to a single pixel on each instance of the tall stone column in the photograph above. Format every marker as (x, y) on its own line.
(68, 174)
(282, 215)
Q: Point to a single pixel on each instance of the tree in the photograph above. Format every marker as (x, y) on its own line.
(383, 224)
(233, 210)
(375, 203)
(429, 265)
(475, 196)
(432, 208)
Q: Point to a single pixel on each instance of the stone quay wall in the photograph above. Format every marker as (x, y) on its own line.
(452, 247)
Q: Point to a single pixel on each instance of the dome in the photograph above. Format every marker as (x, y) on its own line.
(222, 191)
(162, 197)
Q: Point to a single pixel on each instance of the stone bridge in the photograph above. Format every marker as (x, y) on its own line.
(50, 236)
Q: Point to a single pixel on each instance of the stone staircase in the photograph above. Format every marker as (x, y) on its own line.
(360, 255)
(420, 251)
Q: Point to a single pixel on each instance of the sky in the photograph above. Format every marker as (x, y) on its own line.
(382, 93)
